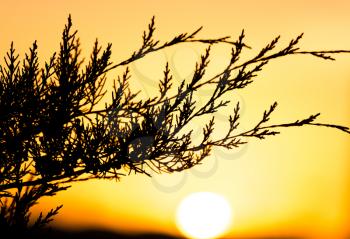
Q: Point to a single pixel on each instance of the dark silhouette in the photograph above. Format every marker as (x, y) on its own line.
(55, 233)
(54, 132)
(103, 234)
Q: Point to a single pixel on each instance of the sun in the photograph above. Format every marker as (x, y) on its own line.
(203, 215)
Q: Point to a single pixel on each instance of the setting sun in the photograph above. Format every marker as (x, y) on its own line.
(203, 215)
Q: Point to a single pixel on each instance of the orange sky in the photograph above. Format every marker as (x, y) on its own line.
(296, 183)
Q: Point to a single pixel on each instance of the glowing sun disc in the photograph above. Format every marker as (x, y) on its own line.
(203, 215)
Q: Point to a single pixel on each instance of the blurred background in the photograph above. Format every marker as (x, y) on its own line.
(294, 185)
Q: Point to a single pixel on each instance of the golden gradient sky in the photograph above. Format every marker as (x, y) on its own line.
(297, 183)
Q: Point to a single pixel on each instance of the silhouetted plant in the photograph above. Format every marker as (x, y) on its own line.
(53, 131)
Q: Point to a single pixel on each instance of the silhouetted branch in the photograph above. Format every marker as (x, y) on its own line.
(53, 130)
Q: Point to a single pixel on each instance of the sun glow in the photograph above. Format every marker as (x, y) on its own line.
(203, 215)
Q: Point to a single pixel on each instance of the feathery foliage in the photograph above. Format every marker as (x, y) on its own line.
(53, 131)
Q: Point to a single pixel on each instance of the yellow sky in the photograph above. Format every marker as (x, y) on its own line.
(296, 183)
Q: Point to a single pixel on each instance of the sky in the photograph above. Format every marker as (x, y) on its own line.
(293, 184)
